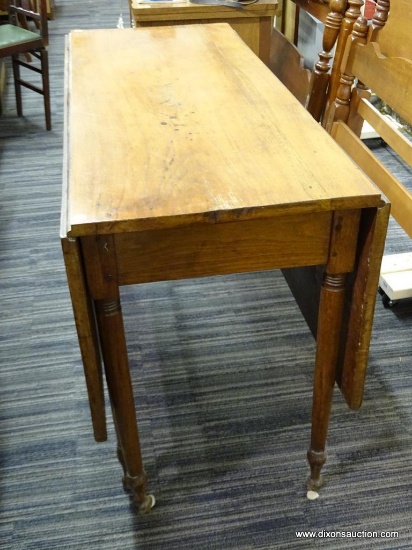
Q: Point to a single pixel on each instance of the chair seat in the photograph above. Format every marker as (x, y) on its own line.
(11, 35)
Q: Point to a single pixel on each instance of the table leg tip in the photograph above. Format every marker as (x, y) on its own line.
(148, 502)
(314, 484)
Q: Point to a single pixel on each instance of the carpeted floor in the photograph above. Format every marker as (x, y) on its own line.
(222, 370)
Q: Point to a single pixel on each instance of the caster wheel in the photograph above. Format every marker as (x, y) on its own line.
(387, 302)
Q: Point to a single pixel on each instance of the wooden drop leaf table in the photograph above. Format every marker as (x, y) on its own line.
(185, 157)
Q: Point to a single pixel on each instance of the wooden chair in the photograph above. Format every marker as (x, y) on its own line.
(27, 33)
(380, 60)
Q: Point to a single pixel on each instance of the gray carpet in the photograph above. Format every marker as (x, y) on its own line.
(222, 370)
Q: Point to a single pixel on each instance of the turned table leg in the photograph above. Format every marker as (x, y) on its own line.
(101, 273)
(341, 260)
(330, 320)
(114, 351)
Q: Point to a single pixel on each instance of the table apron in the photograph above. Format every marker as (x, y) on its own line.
(222, 248)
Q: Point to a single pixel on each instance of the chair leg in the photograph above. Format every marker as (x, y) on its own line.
(44, 59)
(17, 85)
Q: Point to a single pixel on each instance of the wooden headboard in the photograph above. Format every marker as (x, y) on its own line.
(395, 38)
(378, 59)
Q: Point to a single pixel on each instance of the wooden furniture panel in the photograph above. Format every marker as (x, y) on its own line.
(265, 148)
(318, 9)
(230, 176)
(253, 22)
(87, 335)
(395, 40)
(288, 65)
(219, 249)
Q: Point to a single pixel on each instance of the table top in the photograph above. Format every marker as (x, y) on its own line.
(158, 8)
(184, 124)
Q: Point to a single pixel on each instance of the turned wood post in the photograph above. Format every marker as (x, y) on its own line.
(360, 91)
(322, 67)
(351, 15)
(102, 279)
(341, 261)
(341, 106)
